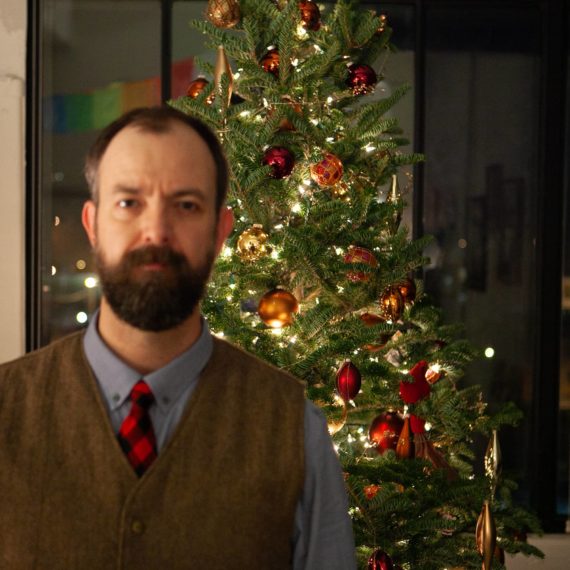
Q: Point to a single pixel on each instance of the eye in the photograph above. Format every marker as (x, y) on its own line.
(187, 205)
(127, 203)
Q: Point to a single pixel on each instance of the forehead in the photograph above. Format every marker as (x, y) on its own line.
(176, 156)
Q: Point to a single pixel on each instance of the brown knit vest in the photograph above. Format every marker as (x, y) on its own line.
(221, 495)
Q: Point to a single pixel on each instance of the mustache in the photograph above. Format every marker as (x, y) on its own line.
(164, 255)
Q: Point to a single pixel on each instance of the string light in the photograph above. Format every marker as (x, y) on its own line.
(90, 282)
(81, 317)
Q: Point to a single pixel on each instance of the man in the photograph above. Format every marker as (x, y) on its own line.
(145, 442)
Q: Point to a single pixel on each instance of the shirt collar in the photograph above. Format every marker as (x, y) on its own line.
(117, 379)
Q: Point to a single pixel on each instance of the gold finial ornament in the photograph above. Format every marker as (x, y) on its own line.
(493, 461)
(486, 535)
(223, 66)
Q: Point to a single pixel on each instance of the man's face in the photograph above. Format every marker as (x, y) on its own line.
(155, 231)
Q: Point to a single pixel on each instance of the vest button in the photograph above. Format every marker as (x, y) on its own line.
(137, 526)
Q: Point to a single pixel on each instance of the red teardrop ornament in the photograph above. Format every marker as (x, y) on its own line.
(348, 381)
(380, 561)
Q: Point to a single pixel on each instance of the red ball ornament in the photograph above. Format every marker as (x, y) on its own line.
(412, 392)
(196, 87)
(361, 78)
(348, 381)
(277, 307)
(270, 61)
(328, 171)
(356, 254)
(310, 15)
(385, 430)
(280, 159)
(380, 561)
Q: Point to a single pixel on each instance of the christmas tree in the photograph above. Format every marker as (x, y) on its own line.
(322, 279)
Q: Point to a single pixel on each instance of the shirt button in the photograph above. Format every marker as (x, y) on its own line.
(137, 526)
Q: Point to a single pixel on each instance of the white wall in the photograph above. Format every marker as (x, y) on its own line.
(12, 77)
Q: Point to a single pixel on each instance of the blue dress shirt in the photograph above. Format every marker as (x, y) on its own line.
(322, 534)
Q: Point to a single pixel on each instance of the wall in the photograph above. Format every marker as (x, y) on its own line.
(12, 131)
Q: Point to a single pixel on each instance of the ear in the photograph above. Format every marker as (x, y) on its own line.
(225, 226)
(88, 219)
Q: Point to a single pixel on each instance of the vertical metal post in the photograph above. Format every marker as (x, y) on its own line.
(165, 49)
(34, 93)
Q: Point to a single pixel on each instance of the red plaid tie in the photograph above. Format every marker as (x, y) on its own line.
(136, 436)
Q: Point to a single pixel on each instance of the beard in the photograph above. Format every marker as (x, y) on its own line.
(153, 300)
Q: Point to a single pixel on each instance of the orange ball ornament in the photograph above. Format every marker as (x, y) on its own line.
(328, 171)
(407, 289)
(223, 13)
(196, 87)
(277, 307)
(310, 15)
(270, 61)
(391, 304)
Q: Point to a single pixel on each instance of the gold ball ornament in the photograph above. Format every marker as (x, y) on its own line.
(277, 307)
(251, 243)
(223, 13)
(391, 304)
(328, 171)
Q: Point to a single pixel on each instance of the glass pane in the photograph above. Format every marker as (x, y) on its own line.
(100, 58)
(482, 110)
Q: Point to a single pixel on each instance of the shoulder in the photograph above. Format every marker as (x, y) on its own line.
(251, 366)
(30, 364)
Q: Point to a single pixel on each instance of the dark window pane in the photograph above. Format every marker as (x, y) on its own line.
(482, 111)
(100, 58)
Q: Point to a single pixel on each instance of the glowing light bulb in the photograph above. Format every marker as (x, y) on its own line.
(90, 282)
(489, 352)
(81, 317)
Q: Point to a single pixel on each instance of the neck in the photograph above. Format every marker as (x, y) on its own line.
(147, 351)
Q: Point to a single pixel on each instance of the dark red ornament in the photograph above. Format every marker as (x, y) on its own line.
(280, 159)
(412, 392)
(385, 430)
(310, 15)
(270, 62)
(380, 561)
(348, 381)
(361, 78)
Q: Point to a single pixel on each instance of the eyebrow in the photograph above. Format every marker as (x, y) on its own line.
(182, 193)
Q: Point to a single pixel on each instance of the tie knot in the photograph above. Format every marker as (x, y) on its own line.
(142, 395)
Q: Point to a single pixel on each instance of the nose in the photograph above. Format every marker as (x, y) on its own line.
(156, 226)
